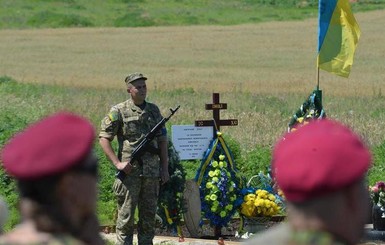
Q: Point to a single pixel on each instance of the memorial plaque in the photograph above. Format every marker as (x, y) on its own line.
(191, 142)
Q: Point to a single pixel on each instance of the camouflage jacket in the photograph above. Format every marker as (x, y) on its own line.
(129, 123)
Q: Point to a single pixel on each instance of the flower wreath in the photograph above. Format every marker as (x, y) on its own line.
(219, 183)
(311, 109)
(170, 202)
(261, 200)
(377, 194)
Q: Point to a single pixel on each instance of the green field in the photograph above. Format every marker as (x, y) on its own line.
(263, 70)
(18, 14)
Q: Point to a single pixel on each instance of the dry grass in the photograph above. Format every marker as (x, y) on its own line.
(264, 71)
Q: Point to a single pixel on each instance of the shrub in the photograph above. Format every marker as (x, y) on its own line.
(376, 172)
(256, 160)
(55, 20)
(134, 19)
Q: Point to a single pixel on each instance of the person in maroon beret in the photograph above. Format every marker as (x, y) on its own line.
(55, 169)
(321, 169)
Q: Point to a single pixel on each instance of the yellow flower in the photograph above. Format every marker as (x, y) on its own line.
(221, 157)
(213, 197)
(209, 185)
(249, 197)
(271, 197)
(267, 203)
(300, 120)
(258, 202)
(215, 179)
(214, 209)
(215, 164)
(217, 172)
(211, 173)
(220, 164)
(229, 207)
(262, 194)
(223, 214)
(247, 210)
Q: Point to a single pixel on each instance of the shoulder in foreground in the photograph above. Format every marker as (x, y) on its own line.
(277, 235)
(24, 234)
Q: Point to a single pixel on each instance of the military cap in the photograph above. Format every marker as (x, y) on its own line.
(319, 158)
(49, 146)
(134, 76)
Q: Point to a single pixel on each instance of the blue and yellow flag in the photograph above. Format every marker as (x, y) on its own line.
(338, 37)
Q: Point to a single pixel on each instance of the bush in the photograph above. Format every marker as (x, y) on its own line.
(6, 79)
(10, 123)
(134, 19)
(376, 172)
(256, 160)
(55, 20)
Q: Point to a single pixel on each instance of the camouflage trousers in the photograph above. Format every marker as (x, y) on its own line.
(141, 192)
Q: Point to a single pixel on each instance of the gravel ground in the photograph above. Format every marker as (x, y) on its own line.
(228, 233)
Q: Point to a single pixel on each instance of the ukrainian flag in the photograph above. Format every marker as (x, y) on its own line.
(338, 37)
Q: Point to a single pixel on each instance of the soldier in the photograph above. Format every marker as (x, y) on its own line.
(321, 169)
(56, 173)
(129, 121)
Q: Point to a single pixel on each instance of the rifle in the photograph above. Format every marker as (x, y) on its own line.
(143, 144)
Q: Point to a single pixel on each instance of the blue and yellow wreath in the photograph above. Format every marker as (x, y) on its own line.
(219, 183)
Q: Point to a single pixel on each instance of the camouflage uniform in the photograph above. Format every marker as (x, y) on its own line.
(141, 186)
(283, 235)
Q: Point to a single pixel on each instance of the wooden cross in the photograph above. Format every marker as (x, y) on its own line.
(216, 123)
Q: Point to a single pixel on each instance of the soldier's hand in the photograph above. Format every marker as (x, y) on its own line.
(124, 166)
(164, 176)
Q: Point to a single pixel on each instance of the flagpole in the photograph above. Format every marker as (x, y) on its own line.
(317, 77)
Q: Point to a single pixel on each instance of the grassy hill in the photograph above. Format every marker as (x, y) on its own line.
(20, 14)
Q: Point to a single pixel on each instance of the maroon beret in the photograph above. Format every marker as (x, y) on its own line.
(319, 158)
(48, 147)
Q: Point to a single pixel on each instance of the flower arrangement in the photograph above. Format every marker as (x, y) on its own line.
(260, 199)
(219, 183)
(170, 202)
(377, 193)
(220, 194)
(260, 203)
(311, 109)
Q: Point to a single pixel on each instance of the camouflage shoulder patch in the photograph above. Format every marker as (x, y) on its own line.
(113, 116)
(107, 121)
